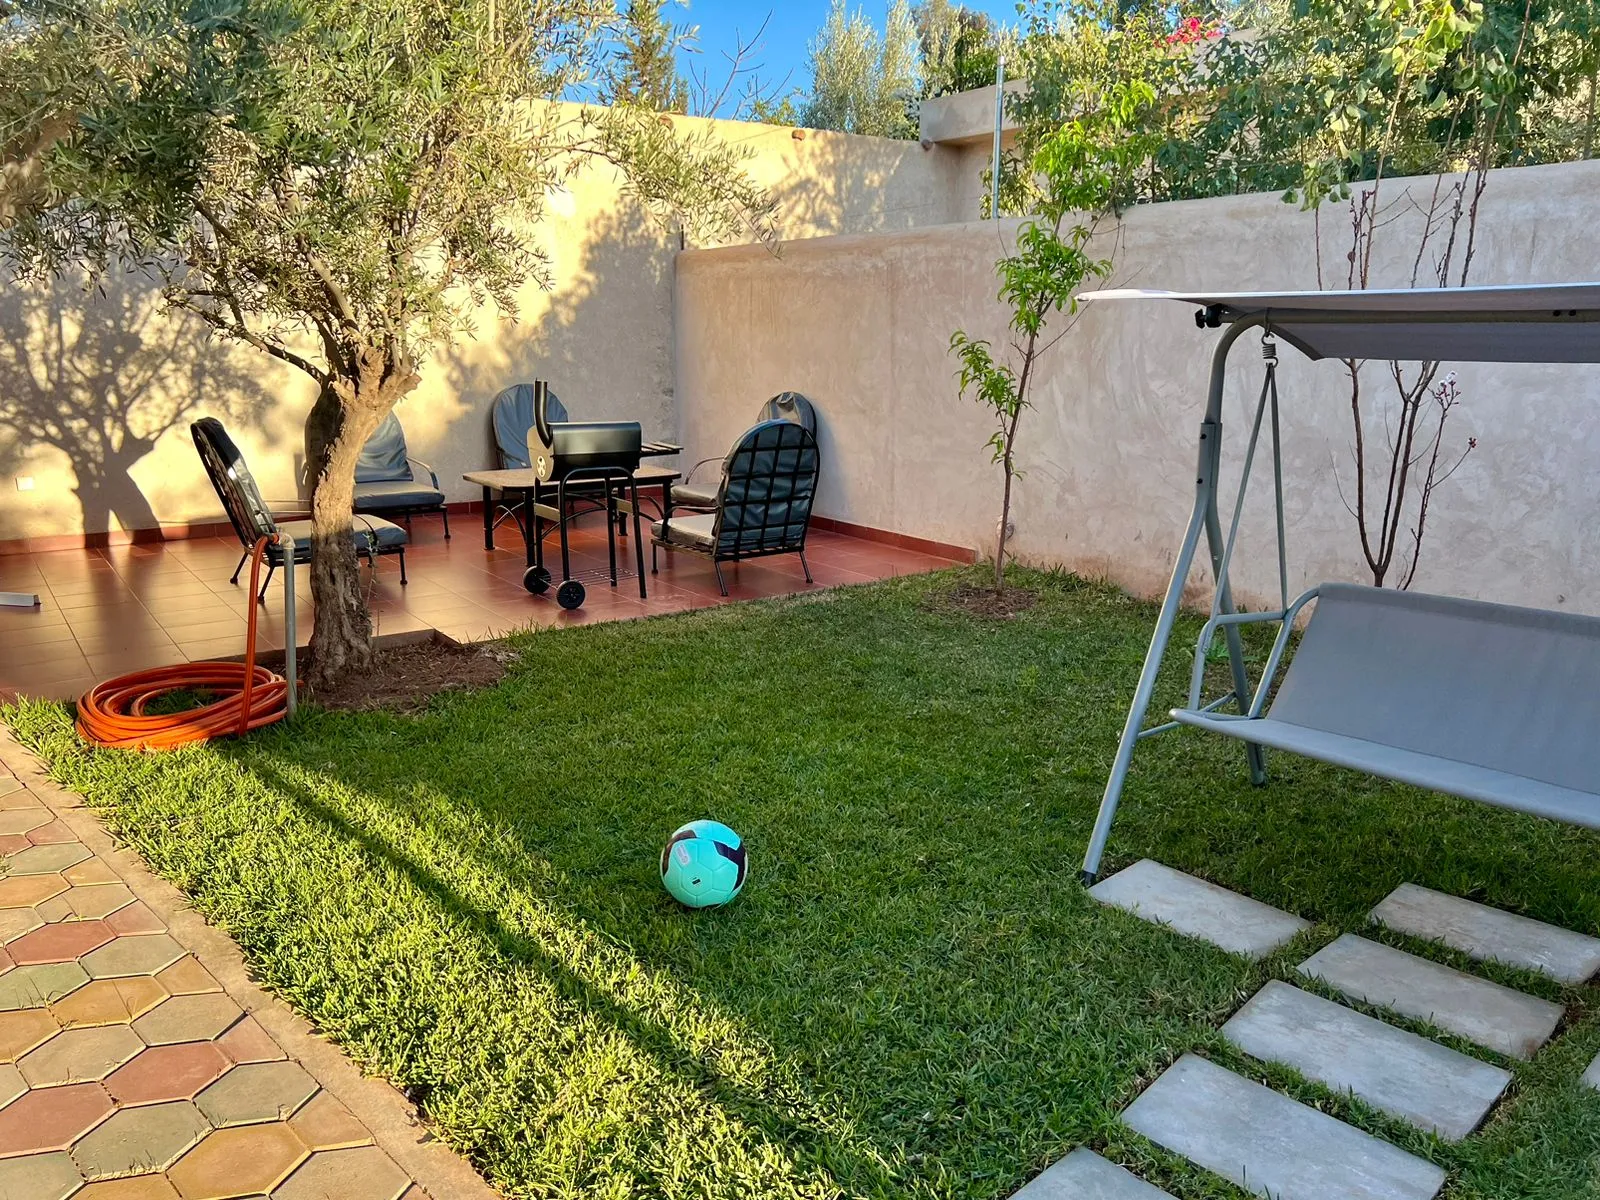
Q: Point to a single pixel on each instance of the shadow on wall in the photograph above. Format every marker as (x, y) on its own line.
(841, 184)
(602, 336)
(100, 374)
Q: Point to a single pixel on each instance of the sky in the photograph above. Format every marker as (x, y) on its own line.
(783, 46)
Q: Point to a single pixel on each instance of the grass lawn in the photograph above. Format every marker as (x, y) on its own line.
(913, 997)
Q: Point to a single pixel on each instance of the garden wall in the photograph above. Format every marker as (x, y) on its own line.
(96, 394)
(861, 325)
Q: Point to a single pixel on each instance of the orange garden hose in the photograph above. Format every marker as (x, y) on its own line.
(114, 713)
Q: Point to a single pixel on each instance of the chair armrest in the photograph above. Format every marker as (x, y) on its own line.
(432, 474)
(698, 465)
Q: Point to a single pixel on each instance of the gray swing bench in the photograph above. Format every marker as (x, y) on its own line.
(1490, 702)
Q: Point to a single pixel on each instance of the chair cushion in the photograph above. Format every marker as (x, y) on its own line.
(384, 455)
(687, 531)
(695, 495)
(395, 493)
(365, 530)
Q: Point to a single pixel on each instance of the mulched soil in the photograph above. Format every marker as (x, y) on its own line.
(982, 602)
(406, 677)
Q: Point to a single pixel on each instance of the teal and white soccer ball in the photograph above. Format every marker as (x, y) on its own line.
(703, 864)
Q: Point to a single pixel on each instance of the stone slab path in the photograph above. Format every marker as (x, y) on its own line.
(1500, 1018)
(1269, 1144)
(1591, 1076)
(1490, 934)
(1431, 1086)
(1199, 909)
(1084, 1175)
(137, 1061)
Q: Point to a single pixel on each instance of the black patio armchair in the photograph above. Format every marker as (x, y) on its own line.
(387, 484)
(702, 496)
(252, 519)
(512, 416)
(762, 504)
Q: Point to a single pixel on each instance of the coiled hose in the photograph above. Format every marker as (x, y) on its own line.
(116, 712)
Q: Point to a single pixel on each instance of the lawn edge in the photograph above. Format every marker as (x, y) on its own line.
(392, 1120)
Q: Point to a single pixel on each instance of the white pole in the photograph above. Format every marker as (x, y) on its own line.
(999, 120)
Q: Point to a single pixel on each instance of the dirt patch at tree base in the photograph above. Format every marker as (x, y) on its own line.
(405, 678)
(982, 601)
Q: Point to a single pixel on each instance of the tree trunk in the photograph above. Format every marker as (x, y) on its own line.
(345, 415)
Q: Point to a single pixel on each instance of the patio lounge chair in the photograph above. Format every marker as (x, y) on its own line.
(251, 519)
(785, 406)
(386, 484)
(762, 505)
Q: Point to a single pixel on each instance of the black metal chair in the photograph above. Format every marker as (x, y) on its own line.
(386, 483)
(252, 520)
(763, 502)
(785, 406)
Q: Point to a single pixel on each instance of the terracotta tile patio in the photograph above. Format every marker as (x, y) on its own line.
(121, 609)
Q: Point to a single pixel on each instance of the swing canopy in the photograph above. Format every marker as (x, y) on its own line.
(1485, 701)
(1539, 323)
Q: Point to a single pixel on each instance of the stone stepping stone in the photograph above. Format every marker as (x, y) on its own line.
(1199, 909)
(1490, 934)
(1084, 1175)
(1269, 1144)
(1591, 1077)
(1431, 1086)
(1500, 1018)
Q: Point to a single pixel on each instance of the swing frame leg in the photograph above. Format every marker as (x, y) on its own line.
(1203, 518)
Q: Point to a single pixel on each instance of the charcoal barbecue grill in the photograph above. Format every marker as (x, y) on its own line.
(577, 455)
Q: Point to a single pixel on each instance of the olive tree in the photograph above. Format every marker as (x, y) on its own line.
(342, 185)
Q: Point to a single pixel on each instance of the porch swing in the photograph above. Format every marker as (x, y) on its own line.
(1489, 702)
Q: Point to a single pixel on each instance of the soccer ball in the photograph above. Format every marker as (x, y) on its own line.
(703, 864)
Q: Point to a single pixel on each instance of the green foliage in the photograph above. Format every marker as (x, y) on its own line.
(863, 82)
(1077, 174)
(913, 999)
(960, 47)
(646, 71)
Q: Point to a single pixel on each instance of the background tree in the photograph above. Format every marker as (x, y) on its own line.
(646, 72)
(340, 184)
(861, 82)
(960, 47)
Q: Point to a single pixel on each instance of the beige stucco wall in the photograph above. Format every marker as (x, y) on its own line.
(79, 374)
(861, 325)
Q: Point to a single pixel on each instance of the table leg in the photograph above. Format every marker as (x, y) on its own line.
(488, 518)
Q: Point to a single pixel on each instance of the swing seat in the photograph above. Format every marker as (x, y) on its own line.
(1486, 701)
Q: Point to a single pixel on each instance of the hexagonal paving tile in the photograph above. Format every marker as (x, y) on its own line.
(109, 1002)
(236, 1162)
(34, 987)
(51, 1118)
(79, 1054)
(326, 1124)
(92, 903)
(142, 955)
(38, 1177)
(24, 891)
(134, 1187)
(257, 1092)
(187, 977)
(55, 909)
(63, 942)
(21, 1031)
(25, 820)
(136, 918)
(187, 1019)
(12, 1084)
(366, 1173)
(247, 1042)
(10, 783)
(167, 1073)
(90, 871)
(41, 860)
(14, 922)
(52, 834)
(141, 1139)
(12, 844)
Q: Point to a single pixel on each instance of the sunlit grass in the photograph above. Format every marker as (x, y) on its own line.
(912, 998)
